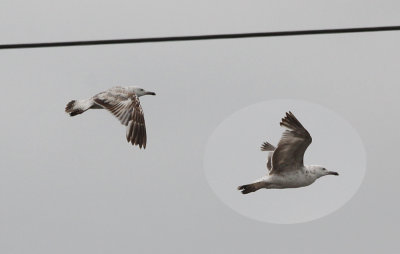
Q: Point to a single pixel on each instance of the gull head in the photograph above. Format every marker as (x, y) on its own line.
(320, 171)
(140, 91)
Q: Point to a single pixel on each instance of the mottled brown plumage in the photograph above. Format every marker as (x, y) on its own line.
(123, 103)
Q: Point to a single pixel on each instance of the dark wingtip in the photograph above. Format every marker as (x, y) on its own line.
(267, 147)
(290, 121)
(136, 134)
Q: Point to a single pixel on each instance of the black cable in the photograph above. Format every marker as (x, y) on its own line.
(199, 37)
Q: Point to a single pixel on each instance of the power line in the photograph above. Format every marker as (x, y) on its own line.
(200, 37)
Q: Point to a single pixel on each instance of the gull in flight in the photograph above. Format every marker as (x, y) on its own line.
(285, 162)
(122, 102)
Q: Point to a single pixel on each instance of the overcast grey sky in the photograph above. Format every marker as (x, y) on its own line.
(73, 185)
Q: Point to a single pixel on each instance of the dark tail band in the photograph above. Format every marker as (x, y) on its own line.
(248, 188)
(71, 110)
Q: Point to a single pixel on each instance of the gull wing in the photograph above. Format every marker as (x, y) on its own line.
(126, 107)
(292, 146)
(268, 147)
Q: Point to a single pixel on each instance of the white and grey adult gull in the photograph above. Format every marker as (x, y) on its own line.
(285, 162)
(122, 102)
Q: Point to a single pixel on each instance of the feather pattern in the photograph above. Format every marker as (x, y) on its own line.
(125, 105)
(292, 146)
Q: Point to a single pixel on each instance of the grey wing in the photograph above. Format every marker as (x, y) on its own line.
(268, 147)
(126, 107)
(292, 146)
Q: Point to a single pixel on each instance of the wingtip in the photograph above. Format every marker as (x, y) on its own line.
(290, 121)
(136, 135)
(267, 147)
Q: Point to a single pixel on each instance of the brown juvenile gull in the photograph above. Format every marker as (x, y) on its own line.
(122, 102)
(285, 163)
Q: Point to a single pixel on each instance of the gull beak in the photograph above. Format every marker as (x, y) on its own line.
(333, 173)
(150, 93)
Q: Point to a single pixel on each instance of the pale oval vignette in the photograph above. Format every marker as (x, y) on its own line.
(233, 157)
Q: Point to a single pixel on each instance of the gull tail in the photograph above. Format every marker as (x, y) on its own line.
(252, 187)
(76, 107)
(267, 147)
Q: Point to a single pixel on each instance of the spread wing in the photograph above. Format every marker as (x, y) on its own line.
(292, 146)
(126, 107)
